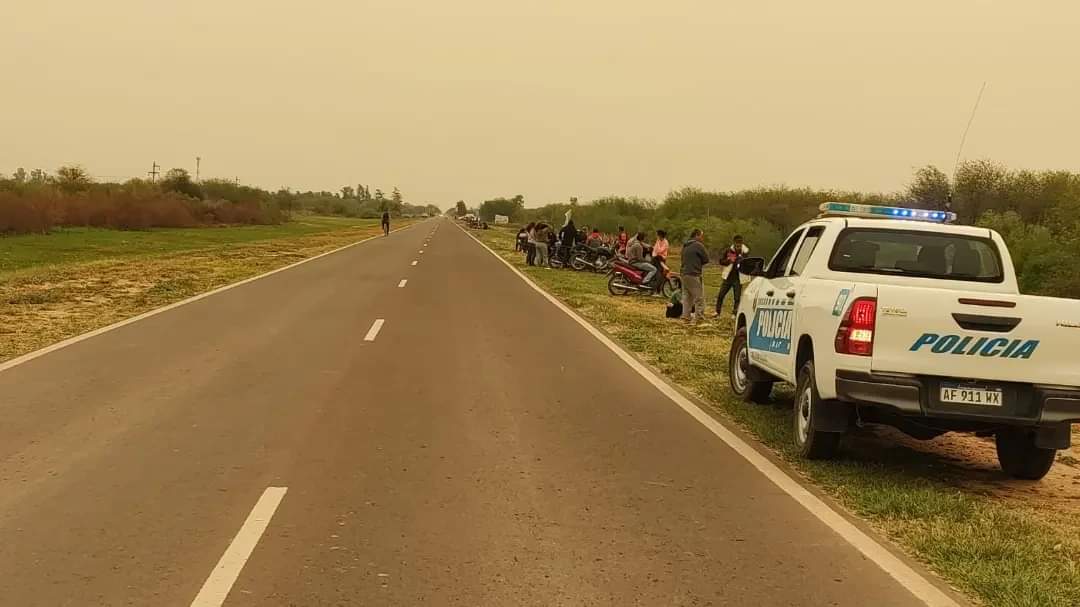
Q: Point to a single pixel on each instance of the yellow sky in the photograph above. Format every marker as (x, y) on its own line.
(550, 99)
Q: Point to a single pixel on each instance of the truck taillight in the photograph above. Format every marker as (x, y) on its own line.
(856, 332)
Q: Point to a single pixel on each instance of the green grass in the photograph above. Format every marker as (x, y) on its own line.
(69, 282)
(1004, 552)
(77, 245)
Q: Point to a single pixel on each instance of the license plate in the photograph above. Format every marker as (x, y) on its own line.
(971, 395)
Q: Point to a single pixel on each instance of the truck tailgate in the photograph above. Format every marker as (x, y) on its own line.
(972, 335)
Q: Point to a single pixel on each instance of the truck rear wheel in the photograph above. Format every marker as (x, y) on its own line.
(1019, 457)
(740, 375)
(812, 442)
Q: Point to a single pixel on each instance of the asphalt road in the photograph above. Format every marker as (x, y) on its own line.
(481, 449)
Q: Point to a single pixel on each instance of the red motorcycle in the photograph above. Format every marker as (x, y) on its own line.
(626, 279)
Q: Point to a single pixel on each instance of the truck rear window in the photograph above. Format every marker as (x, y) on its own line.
(917, 253)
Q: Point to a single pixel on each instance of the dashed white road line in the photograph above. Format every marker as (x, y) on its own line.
(221, 580)
(25, 358)
(373, 332)
(415, 262)
(401, 285)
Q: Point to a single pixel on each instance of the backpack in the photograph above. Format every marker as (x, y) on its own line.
(674, 310)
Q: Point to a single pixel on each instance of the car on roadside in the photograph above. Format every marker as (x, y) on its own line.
(897, 316)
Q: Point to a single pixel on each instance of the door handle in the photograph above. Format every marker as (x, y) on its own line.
(769, 293)
(791, 294)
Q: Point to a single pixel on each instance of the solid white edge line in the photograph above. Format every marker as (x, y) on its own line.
(913, 581)
(25, 358)
(401, 285)
(220, 582)
(373, 332)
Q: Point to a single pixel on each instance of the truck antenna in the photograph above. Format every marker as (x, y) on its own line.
(963, 140)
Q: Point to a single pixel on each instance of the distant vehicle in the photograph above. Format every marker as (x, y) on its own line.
(889, 315)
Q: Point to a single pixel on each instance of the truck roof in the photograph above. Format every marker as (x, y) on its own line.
(902, 224)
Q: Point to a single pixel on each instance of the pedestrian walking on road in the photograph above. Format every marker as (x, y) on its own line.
(540, 236)
(385, 223)
(731, 259)
(694, 259)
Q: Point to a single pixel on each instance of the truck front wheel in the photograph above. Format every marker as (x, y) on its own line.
(741, 375)
(811, 441)
(1019, 457)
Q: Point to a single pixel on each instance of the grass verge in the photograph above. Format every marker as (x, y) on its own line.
(1002, 548)
(56, 286)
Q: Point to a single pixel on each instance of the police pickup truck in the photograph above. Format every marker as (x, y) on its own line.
(889, 315)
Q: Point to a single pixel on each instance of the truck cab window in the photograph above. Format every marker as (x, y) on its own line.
(806, 249)
(783, 256)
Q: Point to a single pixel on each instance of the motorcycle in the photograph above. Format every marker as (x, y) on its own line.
(597, 259)
(625, 279)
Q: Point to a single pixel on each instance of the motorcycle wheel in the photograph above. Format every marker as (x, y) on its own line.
(619, 285)
(578, 263)
(670, 286)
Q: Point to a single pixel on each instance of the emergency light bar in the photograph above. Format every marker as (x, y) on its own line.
(873, 211)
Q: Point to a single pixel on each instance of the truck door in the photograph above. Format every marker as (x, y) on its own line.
(769, 339)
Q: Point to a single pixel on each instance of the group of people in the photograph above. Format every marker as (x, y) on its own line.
(539, 241)
(694, 259)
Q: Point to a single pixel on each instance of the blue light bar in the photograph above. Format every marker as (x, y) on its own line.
(874, 211)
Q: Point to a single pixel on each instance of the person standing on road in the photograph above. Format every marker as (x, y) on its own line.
(731, 259)
(540, 235)
(386, 223)
(635, 254)
(694, 259)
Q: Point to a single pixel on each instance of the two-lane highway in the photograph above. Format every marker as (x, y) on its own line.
(475, 447)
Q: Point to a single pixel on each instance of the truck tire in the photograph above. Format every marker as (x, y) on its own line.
(1019, 457)
(741, 376)
(811, 442)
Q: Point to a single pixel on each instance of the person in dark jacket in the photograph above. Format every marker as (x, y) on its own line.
(694, 258)
(567, 238)
(731, 259)
(386, 223)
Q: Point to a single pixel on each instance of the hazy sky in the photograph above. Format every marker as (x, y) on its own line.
(550, 99)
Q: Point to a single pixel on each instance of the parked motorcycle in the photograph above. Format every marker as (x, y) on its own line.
(597, 259)
(626, 280)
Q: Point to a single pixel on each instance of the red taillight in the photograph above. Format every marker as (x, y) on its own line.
(856, 332)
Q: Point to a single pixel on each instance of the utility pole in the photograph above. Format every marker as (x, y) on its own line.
(237, 181)
(198, 162)
(154, 172)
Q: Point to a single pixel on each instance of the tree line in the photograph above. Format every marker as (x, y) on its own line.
(37, 201)
(1037, 212)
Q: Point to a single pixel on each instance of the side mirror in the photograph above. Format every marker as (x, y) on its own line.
(753, 266)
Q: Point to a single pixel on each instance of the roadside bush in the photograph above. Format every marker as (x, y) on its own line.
(20, 215)
(122, 208)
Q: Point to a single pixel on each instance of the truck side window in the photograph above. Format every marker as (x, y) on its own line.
(783, 256)
(806, 249)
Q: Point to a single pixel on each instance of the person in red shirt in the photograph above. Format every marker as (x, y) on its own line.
(622, 240)
(594, 238)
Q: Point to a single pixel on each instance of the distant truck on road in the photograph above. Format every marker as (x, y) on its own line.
(893, 316)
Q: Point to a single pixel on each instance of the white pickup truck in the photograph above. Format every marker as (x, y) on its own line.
(888, 315)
